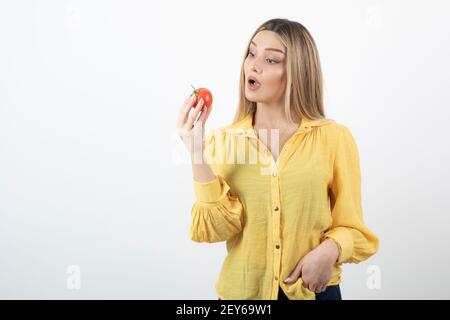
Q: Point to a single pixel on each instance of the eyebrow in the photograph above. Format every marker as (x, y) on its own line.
(270, 49)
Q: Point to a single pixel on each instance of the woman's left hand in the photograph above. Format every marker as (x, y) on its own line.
(315, 268)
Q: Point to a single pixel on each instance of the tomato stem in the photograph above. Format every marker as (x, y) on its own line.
(195, 90)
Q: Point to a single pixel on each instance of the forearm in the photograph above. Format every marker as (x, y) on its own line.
(202, 171)
(331, 249)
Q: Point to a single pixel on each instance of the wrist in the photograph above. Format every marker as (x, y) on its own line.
(332, 251)
(198, 157)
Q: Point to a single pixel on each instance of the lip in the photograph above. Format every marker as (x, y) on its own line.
(249, 86)
(253, 78)
(252, 88)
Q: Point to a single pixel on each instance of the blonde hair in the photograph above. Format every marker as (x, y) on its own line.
(304, 87)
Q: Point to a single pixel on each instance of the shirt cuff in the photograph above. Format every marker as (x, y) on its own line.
(210, 191)
(343, 238)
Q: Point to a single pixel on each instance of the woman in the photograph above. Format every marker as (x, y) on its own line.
(293, 217)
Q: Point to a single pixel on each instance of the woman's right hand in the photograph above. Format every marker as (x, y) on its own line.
(191, 126)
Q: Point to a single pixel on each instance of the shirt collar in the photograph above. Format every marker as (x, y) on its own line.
(244, 127)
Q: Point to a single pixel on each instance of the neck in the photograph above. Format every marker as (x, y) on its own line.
(271, 116)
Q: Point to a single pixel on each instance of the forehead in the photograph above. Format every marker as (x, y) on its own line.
(268, 39)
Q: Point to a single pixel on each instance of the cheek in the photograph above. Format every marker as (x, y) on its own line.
(277, 77)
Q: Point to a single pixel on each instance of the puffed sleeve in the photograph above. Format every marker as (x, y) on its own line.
(217, 215)
(355, 241)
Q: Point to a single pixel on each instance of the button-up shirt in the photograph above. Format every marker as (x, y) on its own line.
(272, 213)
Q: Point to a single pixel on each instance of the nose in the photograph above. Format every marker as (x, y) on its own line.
(252, 68)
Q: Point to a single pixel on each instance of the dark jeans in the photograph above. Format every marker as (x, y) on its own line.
(330, 293)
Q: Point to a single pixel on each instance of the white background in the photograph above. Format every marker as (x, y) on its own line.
(91, 170)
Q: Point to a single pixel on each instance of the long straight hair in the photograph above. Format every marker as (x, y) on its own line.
(304, 87)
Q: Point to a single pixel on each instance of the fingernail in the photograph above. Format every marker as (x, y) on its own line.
(287, 280)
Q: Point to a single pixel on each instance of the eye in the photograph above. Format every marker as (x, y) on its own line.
(271, 61)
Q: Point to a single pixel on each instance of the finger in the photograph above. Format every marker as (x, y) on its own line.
(294, 275)
(320, 289)
(199, 126)
(200, 114)
(185, 108)
(194, 114)
(186, 100)
(185, 103)
(200, 122)
(205, 114)
(306, 284)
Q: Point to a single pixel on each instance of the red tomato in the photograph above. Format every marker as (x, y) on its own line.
(202, 93)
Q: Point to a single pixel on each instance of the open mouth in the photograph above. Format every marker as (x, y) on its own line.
(253, 84)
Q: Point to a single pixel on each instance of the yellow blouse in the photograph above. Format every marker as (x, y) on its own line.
(271, 213)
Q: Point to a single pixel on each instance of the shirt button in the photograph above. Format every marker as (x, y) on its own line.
(274, 174)
(276, 278)
(277, 246)
(276, 208)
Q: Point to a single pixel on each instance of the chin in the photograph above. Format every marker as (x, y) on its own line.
(252, 98)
